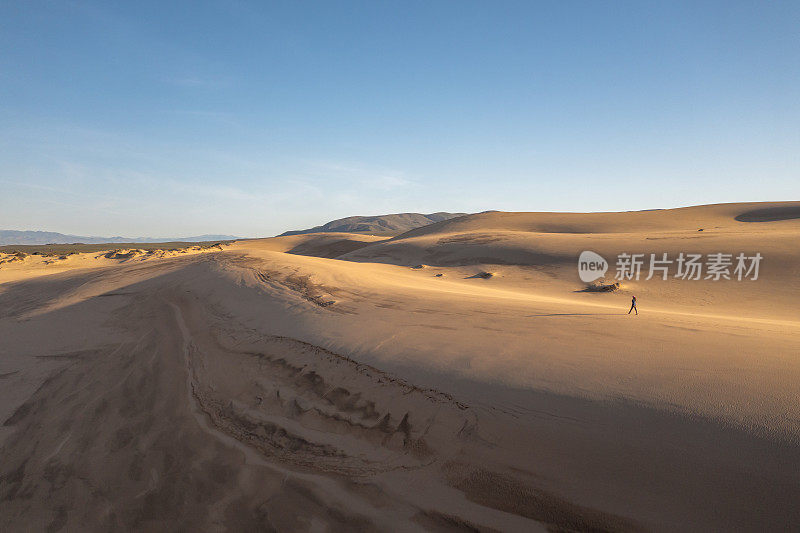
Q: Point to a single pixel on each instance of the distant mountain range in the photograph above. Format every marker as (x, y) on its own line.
(379, 224)
(50, 237)
(393, 224)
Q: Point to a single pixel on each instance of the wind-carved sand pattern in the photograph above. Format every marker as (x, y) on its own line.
(320, 381)
(301, 285)
(291, 409)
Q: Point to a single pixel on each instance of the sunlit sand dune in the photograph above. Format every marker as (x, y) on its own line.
(454, 377)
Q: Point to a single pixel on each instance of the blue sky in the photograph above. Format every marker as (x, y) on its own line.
(250, 118)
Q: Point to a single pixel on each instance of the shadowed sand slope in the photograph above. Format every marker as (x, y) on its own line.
(342, 382)
(770, 214)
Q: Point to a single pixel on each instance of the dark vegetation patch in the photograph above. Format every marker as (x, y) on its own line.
(601, 286)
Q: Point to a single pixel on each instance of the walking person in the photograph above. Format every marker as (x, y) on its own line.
(633, 306)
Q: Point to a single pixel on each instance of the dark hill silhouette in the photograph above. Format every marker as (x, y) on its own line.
(379, 224)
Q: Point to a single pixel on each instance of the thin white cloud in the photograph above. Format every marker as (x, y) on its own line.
(225, 192)
(360, 176)
(387, 182)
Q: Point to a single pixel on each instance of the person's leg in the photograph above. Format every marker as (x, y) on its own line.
(631, 309)
(637, 309)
